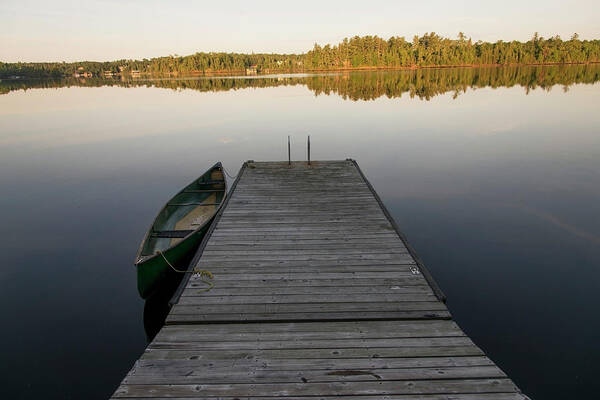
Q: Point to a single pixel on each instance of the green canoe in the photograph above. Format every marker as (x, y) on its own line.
(178, 229)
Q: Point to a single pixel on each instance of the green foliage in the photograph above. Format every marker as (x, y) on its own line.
(433, 50)
(355, 53)
(196, 64)
(420, 83)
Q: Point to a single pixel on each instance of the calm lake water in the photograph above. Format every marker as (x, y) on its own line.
(493, 174)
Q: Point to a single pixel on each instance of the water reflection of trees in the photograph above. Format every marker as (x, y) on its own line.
(421, 83)
(427, 83)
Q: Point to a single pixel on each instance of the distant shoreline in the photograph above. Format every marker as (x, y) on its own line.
(367, 53)
(365, 68)
(355, 85)
(242, 73)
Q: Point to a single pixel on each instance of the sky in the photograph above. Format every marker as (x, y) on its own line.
(100, 30)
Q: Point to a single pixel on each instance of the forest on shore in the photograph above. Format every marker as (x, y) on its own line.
(367, 52)
(424, 83)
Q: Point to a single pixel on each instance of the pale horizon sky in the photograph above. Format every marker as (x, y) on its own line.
(101, 30)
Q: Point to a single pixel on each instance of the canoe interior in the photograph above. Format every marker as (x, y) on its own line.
(185, 212)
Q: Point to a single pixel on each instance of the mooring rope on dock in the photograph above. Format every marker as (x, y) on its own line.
(228, 174)
(196, 271)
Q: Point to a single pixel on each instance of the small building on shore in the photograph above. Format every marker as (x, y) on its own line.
(252, 70)
(82, 74)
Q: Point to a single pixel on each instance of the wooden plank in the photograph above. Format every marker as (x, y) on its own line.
(402, 328)
(315, 389)
(313, 221)
(283, 264)
(292, 188)
(170, 366)
(347, 206)
(302, 250)
(349, 189)
(294, 276)
(260, 203)
(278, 209)
(414, 349)
(275, 345)
(291, 308)
(253, 375)
(280, 345)
(467, 396)
(267, 283)
(302, 298)
(309, 226)
(308, 316)
(398, 257)
(305, 230)
(288, 290)
(336, 245)
(223, 235)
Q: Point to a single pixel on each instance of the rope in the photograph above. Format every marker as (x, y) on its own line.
(196, 271)
(228, 174)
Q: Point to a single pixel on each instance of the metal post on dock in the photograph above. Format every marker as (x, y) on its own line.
(289, 152)
(308, 149)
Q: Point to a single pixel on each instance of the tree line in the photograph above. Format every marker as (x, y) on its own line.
(418, 83)
(433, 50)
(429, 50)
(195, 64)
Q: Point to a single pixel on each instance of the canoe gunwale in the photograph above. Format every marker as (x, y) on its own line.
(178, 292)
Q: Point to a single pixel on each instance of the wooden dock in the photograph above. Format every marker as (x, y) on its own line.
(316, 295)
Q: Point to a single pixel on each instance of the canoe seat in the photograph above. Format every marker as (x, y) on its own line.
(193, 204)
(171, 234)
(211, 183)
(204, 191)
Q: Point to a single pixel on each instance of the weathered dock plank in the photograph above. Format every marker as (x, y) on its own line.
(316, 295)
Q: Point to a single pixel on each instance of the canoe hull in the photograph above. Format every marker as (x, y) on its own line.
(178, 230)
(152, 272)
